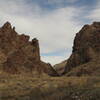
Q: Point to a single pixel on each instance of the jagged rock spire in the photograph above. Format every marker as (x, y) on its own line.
(7, 25)
(19, 55)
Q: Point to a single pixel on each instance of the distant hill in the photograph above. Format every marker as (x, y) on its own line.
(60, 68)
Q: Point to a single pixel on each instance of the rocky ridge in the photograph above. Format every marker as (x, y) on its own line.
(85, 55)
(86, 48)
(18, 54)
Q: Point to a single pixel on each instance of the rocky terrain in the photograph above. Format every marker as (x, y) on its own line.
(86, 47)
(85, 57)
(24, 76)
(20, 55)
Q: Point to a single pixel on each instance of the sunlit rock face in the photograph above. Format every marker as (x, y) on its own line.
(86, 47)
(18, 54)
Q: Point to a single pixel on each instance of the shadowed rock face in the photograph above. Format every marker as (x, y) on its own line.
(18, 54)
(86, 46)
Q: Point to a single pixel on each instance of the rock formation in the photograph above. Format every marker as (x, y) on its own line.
(86, 47)
(18, 54)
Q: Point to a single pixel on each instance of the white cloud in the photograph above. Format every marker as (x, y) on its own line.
(55, 30)
(94, 14)
(61, 1)
(72, 1)
(54, 59)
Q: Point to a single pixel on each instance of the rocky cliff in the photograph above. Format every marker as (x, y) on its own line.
(85, 57)
(86, 48)
(18, 54)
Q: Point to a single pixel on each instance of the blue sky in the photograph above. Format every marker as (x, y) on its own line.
(53, 22)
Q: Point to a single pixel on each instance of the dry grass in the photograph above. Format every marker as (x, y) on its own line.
(22, 87)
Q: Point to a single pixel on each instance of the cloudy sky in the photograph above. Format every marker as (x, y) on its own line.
(53, 22)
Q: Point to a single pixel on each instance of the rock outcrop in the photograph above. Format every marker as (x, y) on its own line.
(86, 47)
(18, 54)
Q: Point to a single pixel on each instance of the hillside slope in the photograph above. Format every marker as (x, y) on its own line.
(60, 67)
